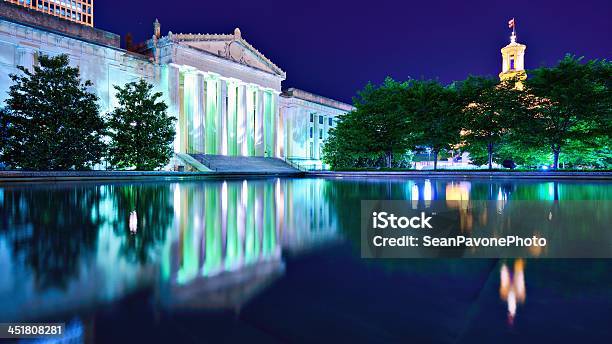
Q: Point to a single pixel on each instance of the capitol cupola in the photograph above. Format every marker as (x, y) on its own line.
(513, 57)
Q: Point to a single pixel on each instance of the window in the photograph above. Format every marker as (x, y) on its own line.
(320, 119)
(511, 62)
(311, 131)
(311, 117)
(331, 122)
(320, 134)
(311, 151)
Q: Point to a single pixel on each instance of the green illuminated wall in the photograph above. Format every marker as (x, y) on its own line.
(251, 95)
(268, 124)
(211, 116)
(232, 119)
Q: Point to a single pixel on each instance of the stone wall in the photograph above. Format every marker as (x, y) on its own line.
(105, 66)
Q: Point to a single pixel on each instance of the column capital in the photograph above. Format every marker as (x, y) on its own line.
(211, 75)
(232, 80)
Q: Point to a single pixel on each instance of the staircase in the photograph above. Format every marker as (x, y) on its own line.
(244, 164)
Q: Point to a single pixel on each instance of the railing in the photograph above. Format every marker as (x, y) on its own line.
(305, 167)
(292, 164)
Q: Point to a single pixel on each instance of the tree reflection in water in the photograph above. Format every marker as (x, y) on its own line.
(227, 241)
(144, 214)
(53, 229)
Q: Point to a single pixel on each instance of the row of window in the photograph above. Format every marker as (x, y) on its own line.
(75, 10)
(321, 118)
(320, 133)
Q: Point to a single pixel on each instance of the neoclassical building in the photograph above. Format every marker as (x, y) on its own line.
(226, 94)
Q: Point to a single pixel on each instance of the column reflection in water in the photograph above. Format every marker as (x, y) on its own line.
(228, 238)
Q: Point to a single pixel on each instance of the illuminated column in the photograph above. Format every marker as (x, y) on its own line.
(223, 117)
(232, 118)
(191, 111)
(279, 138)
(241, 131)
(183, 115)
(173, 79)
(259, 124)
(268, 124)
(251, 95)
(211, 115)
(201, 91)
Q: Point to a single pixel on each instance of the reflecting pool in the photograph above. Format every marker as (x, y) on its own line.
(279, 260)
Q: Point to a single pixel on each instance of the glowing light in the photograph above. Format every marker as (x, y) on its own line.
(512, 287)
(133, 223)
(415, 196)
(427, 193)
(458, 192)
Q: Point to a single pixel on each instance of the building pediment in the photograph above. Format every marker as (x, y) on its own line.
(230, 47)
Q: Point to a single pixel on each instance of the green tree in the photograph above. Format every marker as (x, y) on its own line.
(437, 115)
(141, 131)
(53, 120)
(3, 129)
(570, 102)
(377, 127)
(592, 152)
(491, 108)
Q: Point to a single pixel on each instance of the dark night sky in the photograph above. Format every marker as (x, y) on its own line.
(334, 47)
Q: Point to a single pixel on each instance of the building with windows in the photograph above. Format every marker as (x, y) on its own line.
(307, 119)
(80, 11)
(226, 95)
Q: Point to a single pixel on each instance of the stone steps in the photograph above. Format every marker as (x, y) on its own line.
(222, 163)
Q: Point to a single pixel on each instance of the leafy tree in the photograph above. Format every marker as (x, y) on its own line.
(53, 120)
(490, 110)
(378, 126)
(140, 130)
(3, 129)
(592, 152)
(342, 148)
(570, 102)
(437, 113)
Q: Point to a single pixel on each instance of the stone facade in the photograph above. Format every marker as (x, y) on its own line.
(225, 94)
(104, 65)
(307, 119)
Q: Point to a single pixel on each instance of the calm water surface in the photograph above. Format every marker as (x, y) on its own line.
(279, 260)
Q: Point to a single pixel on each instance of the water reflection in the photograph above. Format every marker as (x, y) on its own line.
(207, 244)
(51, 233)
(218, 244)
(512, 288)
